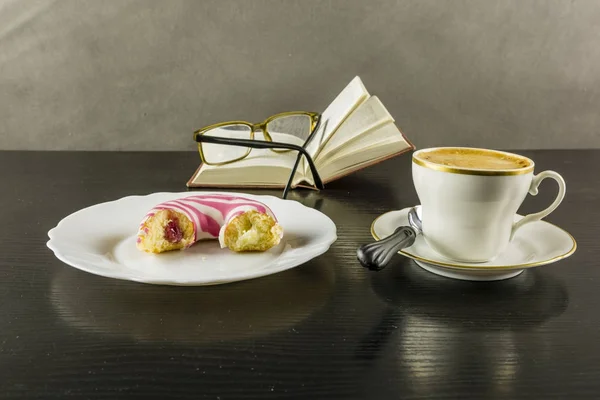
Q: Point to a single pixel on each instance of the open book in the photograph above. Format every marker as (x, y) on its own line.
(355, 131)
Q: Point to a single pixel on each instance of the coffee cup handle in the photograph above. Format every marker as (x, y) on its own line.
(533, 190)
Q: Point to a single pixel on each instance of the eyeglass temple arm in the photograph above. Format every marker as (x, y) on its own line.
(288, 186)
(260, 144)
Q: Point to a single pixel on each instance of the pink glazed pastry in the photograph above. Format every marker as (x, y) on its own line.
(239, 223)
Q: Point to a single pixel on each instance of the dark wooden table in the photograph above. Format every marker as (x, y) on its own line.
(327, 329)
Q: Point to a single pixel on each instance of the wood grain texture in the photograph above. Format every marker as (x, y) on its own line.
(327, 329)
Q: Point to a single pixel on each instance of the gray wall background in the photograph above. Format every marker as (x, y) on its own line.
(142, 75)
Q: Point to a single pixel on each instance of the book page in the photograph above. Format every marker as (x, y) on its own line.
(372, 156)
(369, 116)
(252, 176)
(376, 137)
(389, 141)
(259, 158)
(260, 166)
(343, 105)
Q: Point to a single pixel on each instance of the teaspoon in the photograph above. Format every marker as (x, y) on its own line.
(375, 256)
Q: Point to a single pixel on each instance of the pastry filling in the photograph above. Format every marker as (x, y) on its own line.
(173, 232)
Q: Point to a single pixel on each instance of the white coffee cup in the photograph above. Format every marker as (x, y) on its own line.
(469, 204)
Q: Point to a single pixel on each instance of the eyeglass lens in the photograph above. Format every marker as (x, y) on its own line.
(293, 129)
(222, 153)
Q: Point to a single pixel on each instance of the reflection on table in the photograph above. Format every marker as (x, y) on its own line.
(487, 325)
(233, 311)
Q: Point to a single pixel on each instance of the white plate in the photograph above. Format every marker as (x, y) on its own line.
(101, 240)
(535, 244)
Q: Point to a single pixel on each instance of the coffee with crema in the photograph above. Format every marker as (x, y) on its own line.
(474, 159)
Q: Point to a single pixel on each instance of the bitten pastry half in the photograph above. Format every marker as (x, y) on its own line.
(240, 224)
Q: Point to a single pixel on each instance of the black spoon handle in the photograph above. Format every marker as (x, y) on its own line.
(375, 256)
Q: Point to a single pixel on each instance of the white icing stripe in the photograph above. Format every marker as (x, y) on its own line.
(235, 201)
(234, 212)
(212, 212)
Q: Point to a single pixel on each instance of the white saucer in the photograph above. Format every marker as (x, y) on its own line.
(535, 244)
(101, 240)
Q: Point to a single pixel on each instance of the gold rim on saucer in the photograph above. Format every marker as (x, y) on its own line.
(462, 266)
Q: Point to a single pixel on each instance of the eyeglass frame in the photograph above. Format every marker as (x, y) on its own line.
(252, 143)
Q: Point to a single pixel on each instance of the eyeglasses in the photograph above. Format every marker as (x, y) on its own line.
(232, 141)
